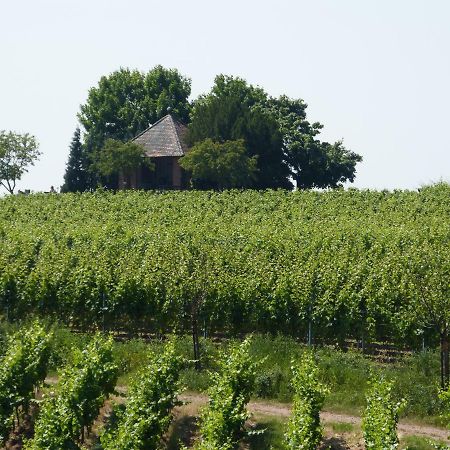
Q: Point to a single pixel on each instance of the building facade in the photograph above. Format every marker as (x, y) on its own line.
(164, 143)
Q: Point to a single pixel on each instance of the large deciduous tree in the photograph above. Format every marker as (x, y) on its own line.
(17, 153)
(275, 129)
(127, 101)
(313, 163)
(231, 111)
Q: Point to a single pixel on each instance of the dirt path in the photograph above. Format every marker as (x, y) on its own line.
(283, 410)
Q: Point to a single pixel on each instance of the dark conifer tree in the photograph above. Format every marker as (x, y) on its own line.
(76, 176)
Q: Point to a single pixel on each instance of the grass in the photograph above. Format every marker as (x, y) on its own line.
(419, 443)
(345, 373)
(342, 427)
(268, 433)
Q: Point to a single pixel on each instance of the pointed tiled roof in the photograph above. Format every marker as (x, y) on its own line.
(163, 138)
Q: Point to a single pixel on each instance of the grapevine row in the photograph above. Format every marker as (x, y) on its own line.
(23, 368)
(150, 400)
(82, 389)
(352, 264)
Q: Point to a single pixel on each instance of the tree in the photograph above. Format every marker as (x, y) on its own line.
(126, 101)
(75, 178)
(17, 153)
(275, 129)
(220, 166)
(231, 112)
(312, 163)
(426, 270)
(118, 157)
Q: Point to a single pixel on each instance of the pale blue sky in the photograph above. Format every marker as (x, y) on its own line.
(375, 72)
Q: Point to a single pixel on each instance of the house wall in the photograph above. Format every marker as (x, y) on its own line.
(144, 179)
(130, 180)
(176, 174)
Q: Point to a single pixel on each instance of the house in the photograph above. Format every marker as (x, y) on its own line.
(164, 143)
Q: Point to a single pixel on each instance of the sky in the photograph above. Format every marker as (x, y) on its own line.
(375, 73)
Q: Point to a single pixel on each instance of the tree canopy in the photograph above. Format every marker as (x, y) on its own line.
(214, 165)
(275, 132)
(117, 156)
(274, 129)
(124, 103)
(230, 112)
(17, 153)
(312, 163)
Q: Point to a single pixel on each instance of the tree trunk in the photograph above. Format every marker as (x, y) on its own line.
(445, 366)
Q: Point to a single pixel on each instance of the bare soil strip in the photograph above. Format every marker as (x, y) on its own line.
(283, 410)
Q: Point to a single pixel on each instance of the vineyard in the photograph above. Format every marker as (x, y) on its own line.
(320, 268)
(341, 264)
(69, 413)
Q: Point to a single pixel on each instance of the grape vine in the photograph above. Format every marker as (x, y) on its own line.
(151, 398)
(304, 431)
(223, 420)
(22, 369)
(381, 415)
(81, 391)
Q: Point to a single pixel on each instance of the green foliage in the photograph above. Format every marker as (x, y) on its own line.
(261, 261)
(313, 163)
(223, 420)
(126, 101)
(229, 113)
(381, 415)
(219, 166)
(75, 178)
(424, 279)
(267, 434)
(342, 427)
(17, 153)
(444, 396)
(23, 367)
(421, 443)
(304, 430)
(117, 156)
(151, 398)
(81, 391)
(275, 129)
(344, 372)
